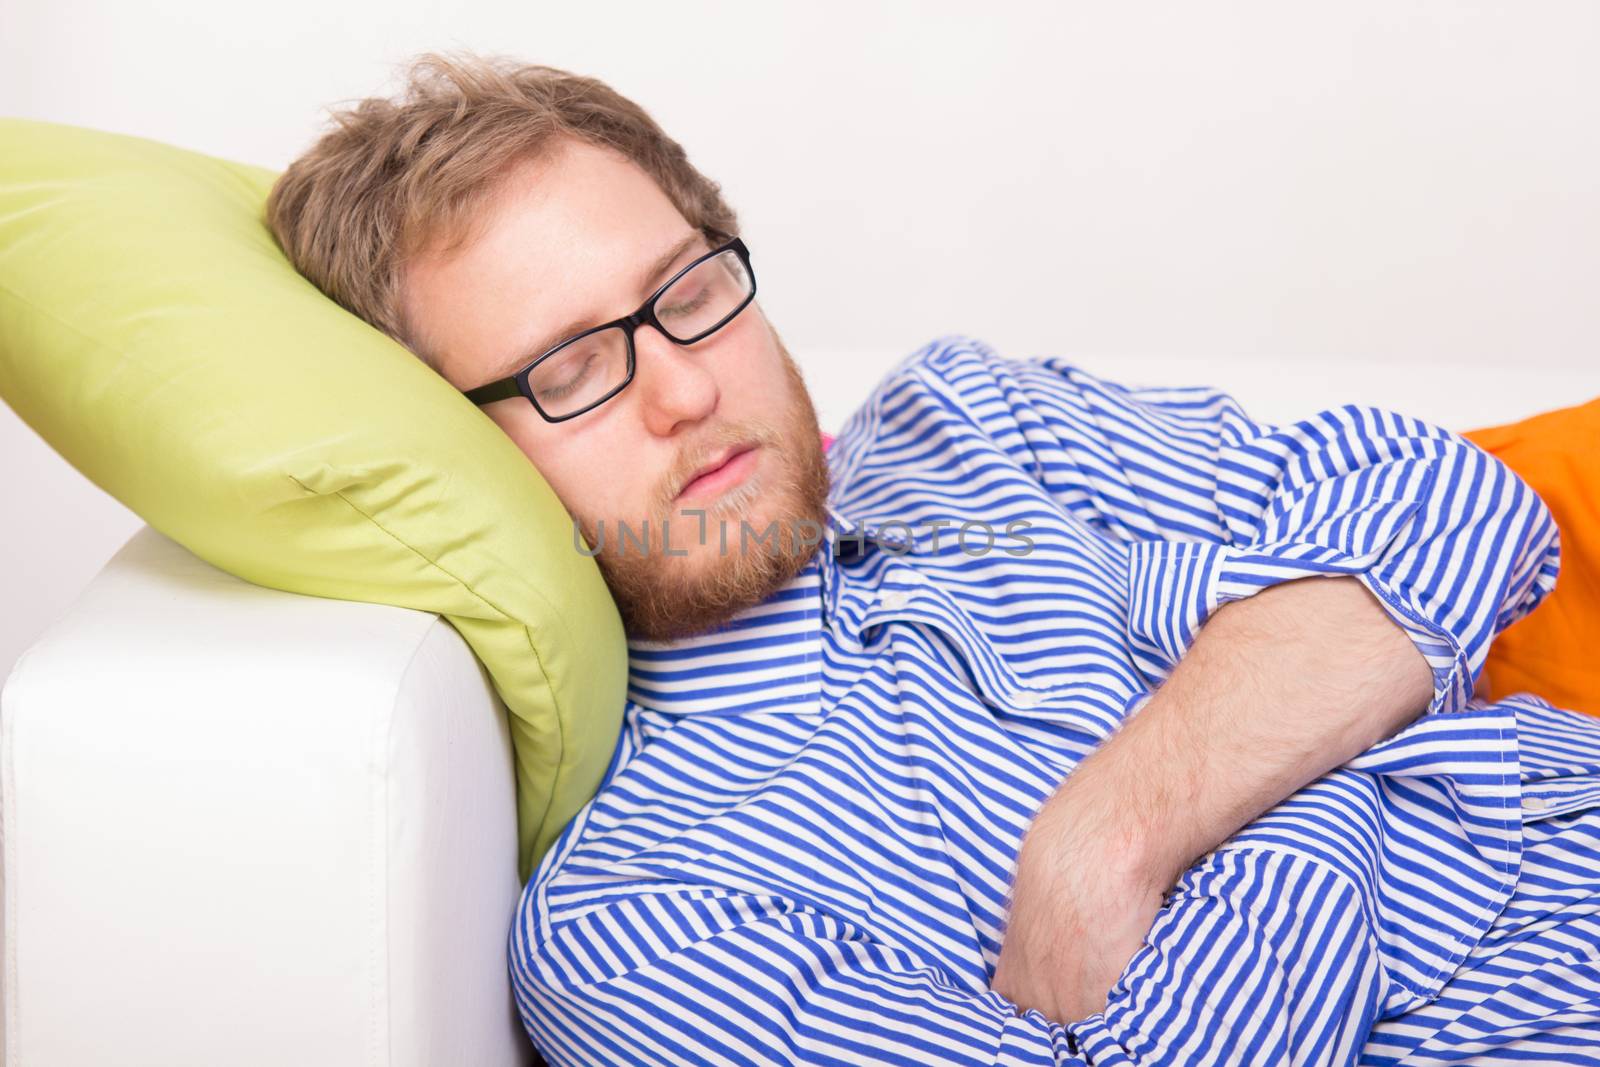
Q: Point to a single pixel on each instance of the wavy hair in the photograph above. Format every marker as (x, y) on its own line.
(396, 177)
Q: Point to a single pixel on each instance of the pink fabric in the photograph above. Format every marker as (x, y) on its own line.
(827, 441)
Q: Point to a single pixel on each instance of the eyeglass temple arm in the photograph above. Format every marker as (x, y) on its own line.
(504, 389)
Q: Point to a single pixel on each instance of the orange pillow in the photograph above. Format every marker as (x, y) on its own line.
(1554, 652)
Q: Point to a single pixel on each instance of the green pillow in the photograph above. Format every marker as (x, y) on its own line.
(155, 335)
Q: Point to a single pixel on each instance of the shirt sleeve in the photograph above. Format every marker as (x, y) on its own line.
(1217, 506)
(1255, 950)
(1261, 955)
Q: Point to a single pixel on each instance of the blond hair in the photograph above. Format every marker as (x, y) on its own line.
(396, 177)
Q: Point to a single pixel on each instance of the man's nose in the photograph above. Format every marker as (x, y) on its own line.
(674, 384)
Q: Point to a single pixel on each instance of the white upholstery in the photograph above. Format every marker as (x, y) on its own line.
(247, 827)
(243, 826)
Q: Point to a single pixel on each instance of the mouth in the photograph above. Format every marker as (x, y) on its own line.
(725, 470)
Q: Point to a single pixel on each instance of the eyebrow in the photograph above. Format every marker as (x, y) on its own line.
(647, 283)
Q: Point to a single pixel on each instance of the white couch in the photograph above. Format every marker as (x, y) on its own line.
(243, 826)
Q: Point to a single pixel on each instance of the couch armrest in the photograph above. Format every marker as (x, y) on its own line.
(246, 826)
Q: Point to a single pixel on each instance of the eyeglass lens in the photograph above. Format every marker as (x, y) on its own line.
(584, 371)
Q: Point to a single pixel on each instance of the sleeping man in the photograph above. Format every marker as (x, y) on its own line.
(1035, 720)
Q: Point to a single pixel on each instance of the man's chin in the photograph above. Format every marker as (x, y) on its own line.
(706, 571)
(692, 588)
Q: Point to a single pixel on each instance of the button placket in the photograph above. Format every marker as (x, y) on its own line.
(1547, 798)
(907, 594)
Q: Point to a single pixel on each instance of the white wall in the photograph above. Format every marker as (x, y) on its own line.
(1263, 195)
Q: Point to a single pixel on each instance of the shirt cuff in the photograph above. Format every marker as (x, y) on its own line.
(1174, 586)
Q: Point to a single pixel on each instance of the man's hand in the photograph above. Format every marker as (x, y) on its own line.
(1275, 691)
(1076, 921)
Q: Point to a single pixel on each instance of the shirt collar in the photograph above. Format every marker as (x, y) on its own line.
(767, 658)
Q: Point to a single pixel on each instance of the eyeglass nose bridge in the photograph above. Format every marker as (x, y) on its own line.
(646, 316)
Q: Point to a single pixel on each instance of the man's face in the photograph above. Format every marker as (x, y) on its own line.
(571, 241)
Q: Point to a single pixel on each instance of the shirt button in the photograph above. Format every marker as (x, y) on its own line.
(1533, 803)
(894, 599)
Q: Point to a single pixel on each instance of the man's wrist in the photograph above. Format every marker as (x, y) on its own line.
(1087, 826)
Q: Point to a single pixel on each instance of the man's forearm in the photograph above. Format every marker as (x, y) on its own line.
(1275, 690)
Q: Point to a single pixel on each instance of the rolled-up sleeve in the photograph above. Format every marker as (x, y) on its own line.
(1453, 545)
(1216, 506)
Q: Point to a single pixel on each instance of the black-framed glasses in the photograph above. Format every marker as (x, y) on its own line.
(591, 367)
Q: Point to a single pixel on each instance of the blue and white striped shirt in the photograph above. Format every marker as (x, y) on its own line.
(802, 849)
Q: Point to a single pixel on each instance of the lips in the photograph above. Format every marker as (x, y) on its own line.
(707, 477)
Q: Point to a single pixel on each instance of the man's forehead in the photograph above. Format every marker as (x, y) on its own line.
(584, 196)
(559, 253)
